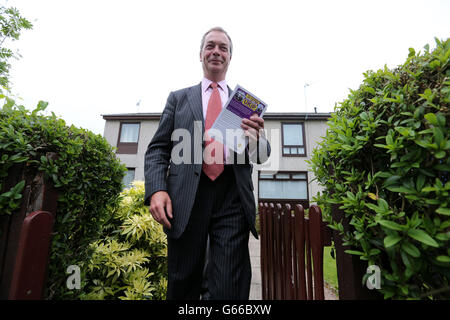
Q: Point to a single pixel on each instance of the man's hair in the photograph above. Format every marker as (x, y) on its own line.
(220, 30)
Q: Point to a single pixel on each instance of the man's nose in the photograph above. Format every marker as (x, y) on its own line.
(216, 51)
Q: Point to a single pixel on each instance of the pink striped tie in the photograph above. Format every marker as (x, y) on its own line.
(210, 167)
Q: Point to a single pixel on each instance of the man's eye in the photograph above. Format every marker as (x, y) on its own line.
(224, 48)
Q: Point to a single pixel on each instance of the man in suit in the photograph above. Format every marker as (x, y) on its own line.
(210, 192)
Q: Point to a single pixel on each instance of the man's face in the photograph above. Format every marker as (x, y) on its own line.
(215, 56)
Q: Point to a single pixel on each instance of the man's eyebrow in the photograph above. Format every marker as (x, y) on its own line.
(220, 43)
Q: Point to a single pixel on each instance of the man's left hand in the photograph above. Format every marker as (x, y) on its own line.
(253, 127)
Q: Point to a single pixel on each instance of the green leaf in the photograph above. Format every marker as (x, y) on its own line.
(445, 259)
(389, 139)
(431, 118)
(390, 241)
(442, 167)
(423, 143)
(438, 135)
(391, 225)
(406, 260)
(420, 182)
(391, 180)
(404, 131)
(440, 154)
(42, 105)
(381, 145)
(440, 119)
(418, 113)
(405, 290)
(18, 188)
(442, 236)
(423, 237)
(399, 164)
(370, 90)
(399, 189)
(358, 253)
(443, 211)
(373, 207)
(383, 174)
(411, 249)
(383, 204)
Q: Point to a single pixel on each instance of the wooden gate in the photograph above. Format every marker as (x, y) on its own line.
(292, 252)
(25, 235)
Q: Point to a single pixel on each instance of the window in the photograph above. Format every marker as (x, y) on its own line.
(293, 139)
(128, 178)
(129, 132)
(284, 187)
(128, 138)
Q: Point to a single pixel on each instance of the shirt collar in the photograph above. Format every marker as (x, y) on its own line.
(206, 83)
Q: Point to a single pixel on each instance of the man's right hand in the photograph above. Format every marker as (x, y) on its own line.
(160, 204)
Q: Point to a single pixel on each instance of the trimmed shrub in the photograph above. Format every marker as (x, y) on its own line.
(129, 262)
(86, 174)
(385, 160)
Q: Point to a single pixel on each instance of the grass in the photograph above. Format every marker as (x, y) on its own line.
(329, 269)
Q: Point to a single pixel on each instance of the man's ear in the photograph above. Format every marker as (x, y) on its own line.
(201, 57)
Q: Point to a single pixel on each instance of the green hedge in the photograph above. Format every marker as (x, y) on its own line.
(385, 160)
(87, 175)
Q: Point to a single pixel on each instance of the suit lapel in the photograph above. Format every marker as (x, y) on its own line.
(229, 91)
(195, 103)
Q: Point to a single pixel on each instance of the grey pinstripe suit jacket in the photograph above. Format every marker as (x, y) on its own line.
(184, 111)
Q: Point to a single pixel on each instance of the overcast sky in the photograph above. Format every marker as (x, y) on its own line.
(88, 58)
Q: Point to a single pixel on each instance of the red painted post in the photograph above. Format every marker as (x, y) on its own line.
(32, 257)
(278, 255)
(272, 269)
(295, 269)
(263, 249)
(316, 240)
(299, 237)
(288, 252)
(308, 260)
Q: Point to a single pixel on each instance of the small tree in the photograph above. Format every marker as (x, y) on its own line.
(385, 160)
(11, 23)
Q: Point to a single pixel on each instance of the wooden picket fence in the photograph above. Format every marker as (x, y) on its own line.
(292, 252)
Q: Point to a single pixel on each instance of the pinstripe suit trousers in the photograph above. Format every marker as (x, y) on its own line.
(217, 212)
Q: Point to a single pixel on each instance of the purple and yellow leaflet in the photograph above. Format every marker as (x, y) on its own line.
(227, 127)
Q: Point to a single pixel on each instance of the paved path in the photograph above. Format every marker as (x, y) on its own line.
(255, 288)
(255, 253)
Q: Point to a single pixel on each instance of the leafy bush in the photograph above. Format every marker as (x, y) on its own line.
(385, 161)
(130, 261)
(86, 173)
